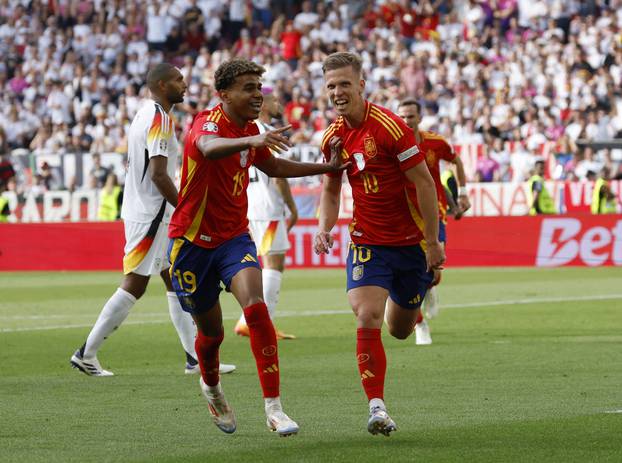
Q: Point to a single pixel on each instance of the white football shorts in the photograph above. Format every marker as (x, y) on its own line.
(270, 236)
(145, 248)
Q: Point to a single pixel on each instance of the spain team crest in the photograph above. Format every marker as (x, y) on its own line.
(430, 157)
(370, 146)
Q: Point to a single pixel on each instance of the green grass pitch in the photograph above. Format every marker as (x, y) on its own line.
(526, 365)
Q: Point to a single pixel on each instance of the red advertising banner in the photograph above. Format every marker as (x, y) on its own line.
(543, 241)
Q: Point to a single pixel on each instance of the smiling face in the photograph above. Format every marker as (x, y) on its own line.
(243, 99)
(344, 88)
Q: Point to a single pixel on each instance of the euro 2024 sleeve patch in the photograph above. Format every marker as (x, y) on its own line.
(210, 126)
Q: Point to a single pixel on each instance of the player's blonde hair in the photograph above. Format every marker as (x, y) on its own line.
(341, 60)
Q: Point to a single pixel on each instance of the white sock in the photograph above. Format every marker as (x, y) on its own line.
(271, 280)
(186, 330)
(273, 404)
(373, 403)
(112, 315)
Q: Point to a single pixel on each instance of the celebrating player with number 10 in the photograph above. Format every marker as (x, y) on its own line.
(387, 264)
(209, 237)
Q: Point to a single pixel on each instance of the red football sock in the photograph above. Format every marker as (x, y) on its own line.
(264, 347)
(372, 361)
(207, 348)
(419, 317)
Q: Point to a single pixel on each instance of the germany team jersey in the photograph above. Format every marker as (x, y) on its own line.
(265, 201)
(152, 133)
(212, 201)
(381, 149)
(436, 148)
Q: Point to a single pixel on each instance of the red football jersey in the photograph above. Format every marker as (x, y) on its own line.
(385, 202)
(212, 199)
(435, 148)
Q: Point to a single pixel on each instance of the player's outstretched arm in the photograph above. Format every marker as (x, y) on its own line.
(159, 176)
(283, 187)
(329, 212)
(463, 198)
(284, 168)
(214, 147)
(428, 204)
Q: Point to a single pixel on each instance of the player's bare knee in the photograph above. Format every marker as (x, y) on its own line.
(134, 284)
(398, 332)
(368, 317)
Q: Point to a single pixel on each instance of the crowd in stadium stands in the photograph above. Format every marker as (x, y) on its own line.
(507, 76)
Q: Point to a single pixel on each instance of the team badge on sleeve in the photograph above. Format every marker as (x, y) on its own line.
(163, 144)
(210, 126)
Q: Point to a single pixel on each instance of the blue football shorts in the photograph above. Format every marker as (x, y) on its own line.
(442, 232)
(196, 272)
(399, 269)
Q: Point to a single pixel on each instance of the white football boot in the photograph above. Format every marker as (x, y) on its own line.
(90, 367)
(221, 412)
(430, 303)
(380, 422)
(223, 368)
(422, 334)
(277, 420)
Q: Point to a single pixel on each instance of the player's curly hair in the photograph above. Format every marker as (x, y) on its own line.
(341, 60)
(226, 73)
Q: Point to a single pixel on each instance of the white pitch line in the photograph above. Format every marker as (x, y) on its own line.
(314, 313)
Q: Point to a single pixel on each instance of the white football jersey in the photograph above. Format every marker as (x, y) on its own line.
(152, 133)
(264, 198)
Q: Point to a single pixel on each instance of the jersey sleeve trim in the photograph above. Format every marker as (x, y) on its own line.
(409, 153)
(159, 133)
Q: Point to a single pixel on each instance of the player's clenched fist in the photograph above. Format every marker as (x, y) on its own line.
(435, 256)
(323, 242)
(272, 139)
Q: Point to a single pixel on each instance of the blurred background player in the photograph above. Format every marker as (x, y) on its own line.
(150, 196)
(110, 199)
(603, 199)
(541, 201)
(435, 148)
(268, 202)
(209, 235)
(387, 268)
(450, 184)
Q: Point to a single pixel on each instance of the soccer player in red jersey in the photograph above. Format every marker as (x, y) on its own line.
(387, 266)
(436, 148)
(209, 232)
